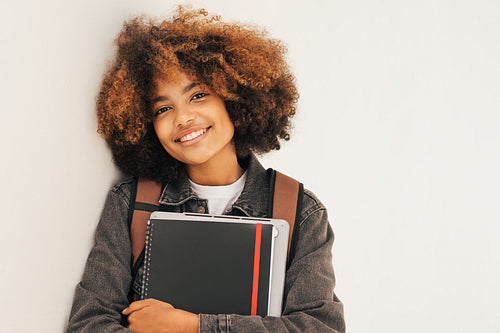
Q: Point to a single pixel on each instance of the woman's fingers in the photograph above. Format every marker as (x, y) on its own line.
(137, 305)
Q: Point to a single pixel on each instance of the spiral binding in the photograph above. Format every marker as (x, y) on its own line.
(145, 274)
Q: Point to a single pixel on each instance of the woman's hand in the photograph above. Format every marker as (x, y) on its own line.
(151, 315)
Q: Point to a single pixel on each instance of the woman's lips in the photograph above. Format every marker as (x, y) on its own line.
(193, 136)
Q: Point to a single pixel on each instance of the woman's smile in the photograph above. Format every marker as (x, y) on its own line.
(194, 136)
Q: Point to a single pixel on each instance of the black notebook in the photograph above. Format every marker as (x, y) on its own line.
(209, 264)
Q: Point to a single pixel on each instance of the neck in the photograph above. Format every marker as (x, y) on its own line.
(216, 172)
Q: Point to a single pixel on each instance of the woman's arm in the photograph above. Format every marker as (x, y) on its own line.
(310, 304)
(102, 294)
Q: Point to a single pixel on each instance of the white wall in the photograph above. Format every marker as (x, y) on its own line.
(397, 134)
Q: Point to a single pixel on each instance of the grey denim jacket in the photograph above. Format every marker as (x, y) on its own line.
(309, 304)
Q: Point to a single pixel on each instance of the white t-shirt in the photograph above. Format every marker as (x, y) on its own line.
(220, 198)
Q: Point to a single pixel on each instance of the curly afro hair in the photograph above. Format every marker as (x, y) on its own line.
(240, 63)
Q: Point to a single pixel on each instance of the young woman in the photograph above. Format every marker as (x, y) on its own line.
(188, 102)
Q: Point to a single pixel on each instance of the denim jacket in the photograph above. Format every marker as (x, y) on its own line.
(309, 304)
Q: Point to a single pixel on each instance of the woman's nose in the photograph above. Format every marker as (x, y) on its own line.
(184, 115)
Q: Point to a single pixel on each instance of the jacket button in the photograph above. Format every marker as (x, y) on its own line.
(201, 209)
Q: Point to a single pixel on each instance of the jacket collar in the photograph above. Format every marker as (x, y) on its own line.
(253, 200)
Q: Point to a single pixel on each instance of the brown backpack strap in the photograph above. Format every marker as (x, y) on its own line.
(146, 201)
(285, 202)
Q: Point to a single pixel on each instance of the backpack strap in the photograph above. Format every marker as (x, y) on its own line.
(286, 204)
(147, 199)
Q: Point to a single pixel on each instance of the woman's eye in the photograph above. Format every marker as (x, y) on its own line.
(199, 95)
(162, 109)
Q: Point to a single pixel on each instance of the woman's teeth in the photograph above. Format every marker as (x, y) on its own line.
(192, 135)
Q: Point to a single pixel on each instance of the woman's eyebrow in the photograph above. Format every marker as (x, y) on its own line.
(159, 99)
(165, 98)
(190, 86)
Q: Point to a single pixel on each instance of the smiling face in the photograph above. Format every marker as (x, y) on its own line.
(191, 122)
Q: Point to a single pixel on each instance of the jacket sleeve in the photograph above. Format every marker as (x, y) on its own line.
(102, 293)
(310, 304)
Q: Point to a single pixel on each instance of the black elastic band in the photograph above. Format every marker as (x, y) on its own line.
(147, 207)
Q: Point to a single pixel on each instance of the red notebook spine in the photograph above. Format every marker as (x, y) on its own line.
(256, 263)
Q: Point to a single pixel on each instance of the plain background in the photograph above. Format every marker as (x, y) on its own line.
(397, 133)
